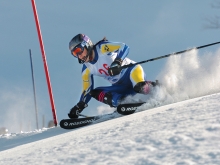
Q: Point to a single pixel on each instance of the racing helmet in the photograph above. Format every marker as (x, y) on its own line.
(77, 45)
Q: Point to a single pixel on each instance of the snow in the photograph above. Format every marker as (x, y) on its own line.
(179, 124)
(186, 132)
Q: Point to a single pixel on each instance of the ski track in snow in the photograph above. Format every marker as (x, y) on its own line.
(183, 133)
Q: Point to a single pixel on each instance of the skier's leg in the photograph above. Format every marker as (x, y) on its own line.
(138, 79)
(112, 95)
(110, 98)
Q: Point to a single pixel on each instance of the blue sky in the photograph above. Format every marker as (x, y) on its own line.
(150, 28)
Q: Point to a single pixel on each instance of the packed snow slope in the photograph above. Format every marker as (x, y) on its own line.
(179, 124)
(186, 132)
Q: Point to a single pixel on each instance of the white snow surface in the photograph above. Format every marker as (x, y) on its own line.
(182, 133)
(178, 125)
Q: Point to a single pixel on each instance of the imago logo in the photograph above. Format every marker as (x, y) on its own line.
(123, 109)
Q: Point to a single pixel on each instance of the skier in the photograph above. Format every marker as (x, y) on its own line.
(105, 59)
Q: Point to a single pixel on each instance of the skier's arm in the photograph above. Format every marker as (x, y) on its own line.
(87, 83)
(121, 48)
(87, 80)
(122, 51)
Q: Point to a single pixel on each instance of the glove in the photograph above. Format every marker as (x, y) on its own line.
(78, 108)
(115, 67)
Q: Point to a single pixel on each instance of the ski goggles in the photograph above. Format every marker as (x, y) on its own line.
(77, 50)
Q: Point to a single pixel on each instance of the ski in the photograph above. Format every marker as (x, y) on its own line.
(123, 109)
(127, 109)
(78, 122)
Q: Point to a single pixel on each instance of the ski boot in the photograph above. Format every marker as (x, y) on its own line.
(78, 108)
(145, 87)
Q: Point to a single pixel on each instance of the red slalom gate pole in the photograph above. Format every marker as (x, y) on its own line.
(45, 62)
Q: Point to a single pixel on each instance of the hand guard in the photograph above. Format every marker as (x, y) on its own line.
(78, 108)
(115, 67)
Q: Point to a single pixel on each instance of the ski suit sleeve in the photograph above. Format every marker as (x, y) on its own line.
(121, 48)
(87, 83)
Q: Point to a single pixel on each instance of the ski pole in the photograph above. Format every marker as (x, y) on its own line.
(168, 55)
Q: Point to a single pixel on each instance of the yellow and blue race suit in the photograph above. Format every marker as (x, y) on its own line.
(122, 84)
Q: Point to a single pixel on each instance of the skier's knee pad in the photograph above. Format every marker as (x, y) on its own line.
(102, 96)
(142, 87)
